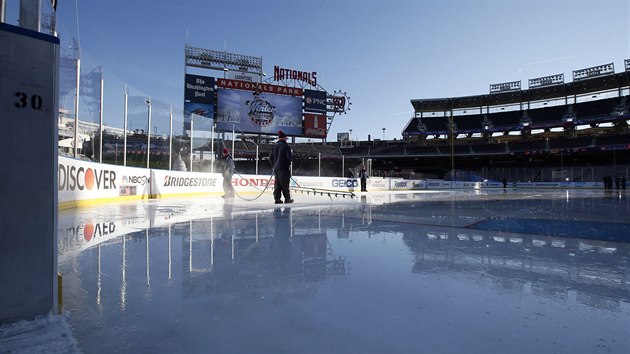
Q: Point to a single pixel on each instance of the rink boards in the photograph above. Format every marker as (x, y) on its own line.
(85, 183)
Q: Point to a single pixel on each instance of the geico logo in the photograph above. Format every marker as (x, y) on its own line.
(89, 231)
(345, 183)
(71, 178)
(400, 184)
(135, 179)
(245, 182)
(170, 181)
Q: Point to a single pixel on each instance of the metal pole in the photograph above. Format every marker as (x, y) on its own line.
(256, 158)
(100, 127)
(170, 141)
(212, 147)
(319, 163)
(2, 10)
(76, 109)
(149, 132)
(125, 129)
(452, 128)
(233, 154)
(343, 165)
(191, 141)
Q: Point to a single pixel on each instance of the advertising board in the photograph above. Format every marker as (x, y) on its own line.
(315, 125)
(83, 181)
(377, 184)
(199, 99)
(315, 101)
(259, 111)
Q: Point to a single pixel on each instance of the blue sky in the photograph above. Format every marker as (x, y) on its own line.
(382, 53)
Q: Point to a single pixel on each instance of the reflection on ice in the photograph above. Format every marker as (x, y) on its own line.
(373, 274)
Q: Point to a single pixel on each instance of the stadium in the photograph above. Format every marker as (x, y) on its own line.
(496, 222)
(551, 132)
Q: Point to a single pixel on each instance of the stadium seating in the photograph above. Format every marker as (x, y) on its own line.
(458, 149)
(587, 111)
(574, 143)
(494, 148)
(422, 150)
(506, 119)
(612, 140)
(469, 123)
(436, 124)
(548, 116)
(525, 146)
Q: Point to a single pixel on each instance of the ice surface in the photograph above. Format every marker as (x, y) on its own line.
(46, 334)
(384, 272)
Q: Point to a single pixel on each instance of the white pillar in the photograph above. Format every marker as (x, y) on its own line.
(76, 109)
(256, 158)
(149, 132)
(191, 142)
(319, 163)
(100, 125)
(125, 128)
(2, 10)
(233, 141)
(170, 141)
(212, 147)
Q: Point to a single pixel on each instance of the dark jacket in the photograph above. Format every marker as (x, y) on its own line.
(281, 156)
(228, 166)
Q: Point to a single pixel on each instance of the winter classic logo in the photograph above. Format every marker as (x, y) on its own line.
(260, 111)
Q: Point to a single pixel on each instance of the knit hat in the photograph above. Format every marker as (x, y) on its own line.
(225, 151)
(281, 134)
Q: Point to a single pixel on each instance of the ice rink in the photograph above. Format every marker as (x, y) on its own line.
(515, 271)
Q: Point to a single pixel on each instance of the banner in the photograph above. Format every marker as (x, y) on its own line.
(199, 89)
(315, 101)
(199, 101)
(315, 125)
(258, 112)
(82, 181)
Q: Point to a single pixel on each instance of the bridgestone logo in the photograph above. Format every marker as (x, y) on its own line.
(170, 181)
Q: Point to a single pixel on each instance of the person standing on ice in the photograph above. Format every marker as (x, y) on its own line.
(228, 172)
(281, 158)
(363, 176)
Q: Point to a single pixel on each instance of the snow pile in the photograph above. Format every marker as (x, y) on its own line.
(48, 334)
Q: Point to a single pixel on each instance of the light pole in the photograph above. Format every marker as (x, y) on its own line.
(148, 102)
